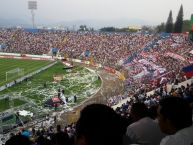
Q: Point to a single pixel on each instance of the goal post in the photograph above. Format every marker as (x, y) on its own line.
(14, 73)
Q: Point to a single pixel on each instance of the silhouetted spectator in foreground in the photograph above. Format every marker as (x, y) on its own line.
(175, 119)
(152, 111)
(58, 128)
(18, 140)
(99, 125)
(41, 140)
(143, 130)
(60, 138)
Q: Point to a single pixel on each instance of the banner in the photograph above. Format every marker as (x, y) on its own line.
(87, 62)
(109, 69)
(120, 75)
(175, 56)
(87, 53)
(155, 67)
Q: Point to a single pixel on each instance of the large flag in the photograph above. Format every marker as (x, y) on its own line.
(188, 70)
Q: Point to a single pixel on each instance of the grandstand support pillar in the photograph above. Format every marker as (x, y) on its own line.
(33, 18)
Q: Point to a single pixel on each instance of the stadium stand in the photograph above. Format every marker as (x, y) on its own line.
(151, 62)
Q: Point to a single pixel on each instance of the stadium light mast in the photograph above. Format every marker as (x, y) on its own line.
(32, 5)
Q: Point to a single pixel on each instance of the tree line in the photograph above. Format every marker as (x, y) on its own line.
(179, 26)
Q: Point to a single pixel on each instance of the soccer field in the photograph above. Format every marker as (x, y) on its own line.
(28, 66)
(31, 94)
(78, 81)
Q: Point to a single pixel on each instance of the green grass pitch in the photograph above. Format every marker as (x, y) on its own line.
(10, 64)
(77, 81)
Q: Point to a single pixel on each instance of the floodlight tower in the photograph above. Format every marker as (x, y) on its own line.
(32, 5)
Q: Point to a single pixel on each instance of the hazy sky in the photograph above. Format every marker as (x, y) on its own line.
(152, 11)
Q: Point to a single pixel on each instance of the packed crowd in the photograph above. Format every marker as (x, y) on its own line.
(167, 69)
(185, 92)
(105, 48)
(151, 69)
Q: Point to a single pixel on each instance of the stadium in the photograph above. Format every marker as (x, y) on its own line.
(47, 76)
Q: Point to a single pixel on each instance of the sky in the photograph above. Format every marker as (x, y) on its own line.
(140, 12)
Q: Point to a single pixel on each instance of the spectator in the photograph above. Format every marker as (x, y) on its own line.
(58, 128)
(175, 119)
(18, 140)
(152, 111)
(60, 138)
(144, 130)
(99, 125)
(25, 132)
(43, 141)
